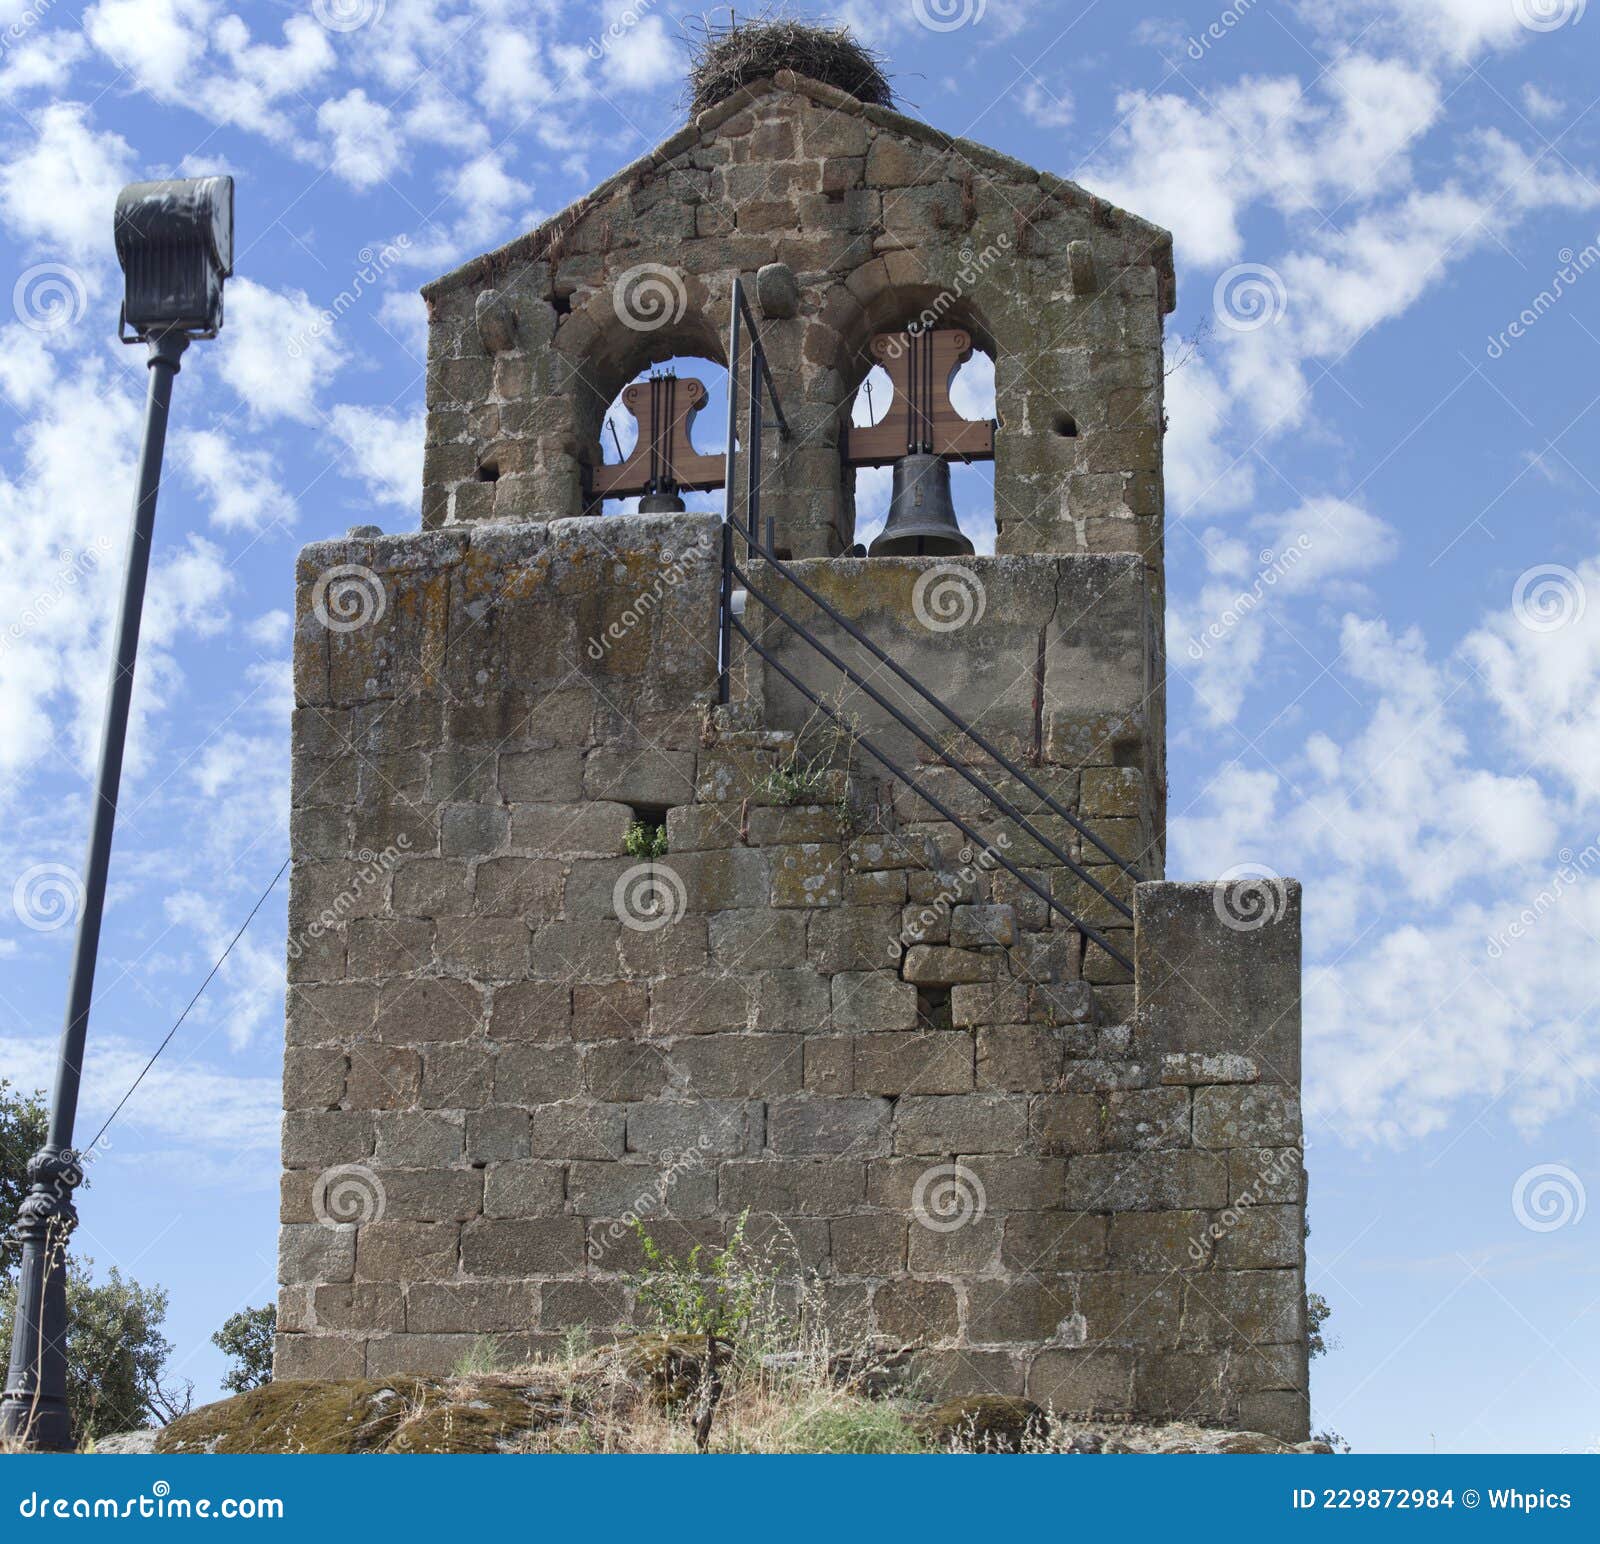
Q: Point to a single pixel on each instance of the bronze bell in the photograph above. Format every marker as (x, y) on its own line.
(922, 517)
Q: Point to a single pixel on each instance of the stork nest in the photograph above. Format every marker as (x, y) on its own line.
(725, 58)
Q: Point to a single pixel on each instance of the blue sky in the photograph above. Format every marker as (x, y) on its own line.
(1383, 560)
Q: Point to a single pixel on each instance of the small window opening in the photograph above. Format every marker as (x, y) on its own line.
(1065, 425)
(489, 471)
(646, 837)
(933, 1007)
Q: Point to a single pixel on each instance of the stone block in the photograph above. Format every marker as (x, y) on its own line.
(418, 1139)
(921, 1313)
(808, 875)
(929, 965)
(496, 1132)
(1045, 1242)
(1263, 1115)
(529, 1075)
(666, 1129)
(911, 1063)
(1219, 972)
(471, 1307)
(609, 1010)
(960, 1123)
(620, 1071)
(537, 1246)
(686, 1187)
(523, 1188)
(869, 1244)
(742, 1065)
(1147, 1117)
(1082, 1383)
(407, 1251)
(976, 927)
(418, 1009)
(793, 1000)
(313, 1252)
(695, 1005)
(875, 1000)
(577, 1128)
(1020, 1057)
(533, 1010)
(649, 777)
(806, 1125)
(1160, 1241)
(818, 1187)
(319, 1356)
(1162, 1180)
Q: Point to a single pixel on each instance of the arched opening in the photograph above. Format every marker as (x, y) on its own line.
(867, 489)
(693, 392)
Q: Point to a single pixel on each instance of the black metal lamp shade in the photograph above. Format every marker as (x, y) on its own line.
(175, 243)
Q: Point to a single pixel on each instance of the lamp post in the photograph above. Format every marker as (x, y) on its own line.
(175, 244)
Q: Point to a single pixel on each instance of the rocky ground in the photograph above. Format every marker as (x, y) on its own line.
(642, 1396)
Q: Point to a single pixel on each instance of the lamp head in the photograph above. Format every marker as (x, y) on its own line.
(175, 243)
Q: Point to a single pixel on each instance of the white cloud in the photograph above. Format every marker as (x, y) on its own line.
(385, 452)
(58, 191)
(366, 145)
(1049, 109)
(183, 1100)
(240, 483)
(42, 63)
(1218, 641)
(641, 57)
(276, 351)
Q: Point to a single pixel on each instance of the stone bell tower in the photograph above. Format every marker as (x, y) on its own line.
(928, 1011)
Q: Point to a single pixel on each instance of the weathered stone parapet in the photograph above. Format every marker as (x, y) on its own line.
(1218, 1014)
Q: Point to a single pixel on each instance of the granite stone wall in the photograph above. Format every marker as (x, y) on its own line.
(824, 1006)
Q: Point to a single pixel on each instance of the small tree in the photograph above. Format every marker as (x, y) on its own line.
(116, 1353)
(24, 1122)
(247, 1337)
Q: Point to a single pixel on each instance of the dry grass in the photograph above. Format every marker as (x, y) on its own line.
(726, 57)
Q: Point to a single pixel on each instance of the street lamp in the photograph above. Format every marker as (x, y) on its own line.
(175, 244)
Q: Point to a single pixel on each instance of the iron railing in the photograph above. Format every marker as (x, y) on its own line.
(748, 530)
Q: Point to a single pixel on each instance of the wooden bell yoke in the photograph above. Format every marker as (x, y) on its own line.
(663, 459)
(920, 365)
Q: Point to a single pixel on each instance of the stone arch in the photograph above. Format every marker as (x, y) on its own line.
(603, 346)
(878, 299)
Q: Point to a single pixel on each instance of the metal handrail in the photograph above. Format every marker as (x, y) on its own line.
(993, 795)
(937, 804)
(927, 696)
(740, 320)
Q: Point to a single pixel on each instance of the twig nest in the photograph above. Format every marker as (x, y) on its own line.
(726, 58)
